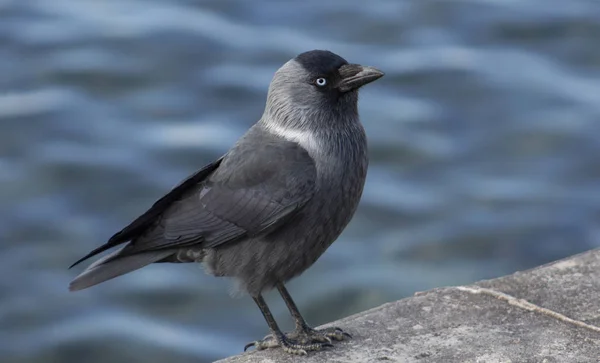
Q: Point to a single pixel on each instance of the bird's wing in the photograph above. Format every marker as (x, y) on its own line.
(255, 187)
(143, 222)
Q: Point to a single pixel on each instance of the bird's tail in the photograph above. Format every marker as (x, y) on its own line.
(115, 265)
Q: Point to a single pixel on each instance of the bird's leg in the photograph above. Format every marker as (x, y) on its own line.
(303, 330)
(277, 338)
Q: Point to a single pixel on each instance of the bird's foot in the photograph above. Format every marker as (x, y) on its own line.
(302, 341)
(324, 335)
(292, 343)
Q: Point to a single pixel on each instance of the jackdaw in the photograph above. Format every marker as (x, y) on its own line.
(266, 210)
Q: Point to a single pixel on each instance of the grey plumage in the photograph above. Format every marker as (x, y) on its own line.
(270, 207)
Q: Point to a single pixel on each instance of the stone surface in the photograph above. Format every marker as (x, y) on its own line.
(549, 314)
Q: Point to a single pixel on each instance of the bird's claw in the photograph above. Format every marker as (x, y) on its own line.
(334, 333)
(292, 343)
(300, 342)
(262, 344)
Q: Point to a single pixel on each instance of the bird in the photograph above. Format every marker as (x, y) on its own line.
(267, 209)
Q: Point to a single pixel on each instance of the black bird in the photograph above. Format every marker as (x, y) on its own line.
(268, 209)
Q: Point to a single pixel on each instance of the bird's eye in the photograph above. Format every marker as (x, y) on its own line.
(321, 82)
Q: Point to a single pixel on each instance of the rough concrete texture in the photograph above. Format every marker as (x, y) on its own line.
(549, 314)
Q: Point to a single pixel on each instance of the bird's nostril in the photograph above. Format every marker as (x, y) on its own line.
(350, 70)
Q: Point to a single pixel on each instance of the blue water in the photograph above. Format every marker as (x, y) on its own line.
(483, 140)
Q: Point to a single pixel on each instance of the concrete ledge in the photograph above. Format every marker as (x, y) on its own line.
(550, 314)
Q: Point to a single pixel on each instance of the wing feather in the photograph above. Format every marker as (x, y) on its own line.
(259, 184)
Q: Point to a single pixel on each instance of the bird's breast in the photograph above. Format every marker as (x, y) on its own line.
(340, 181)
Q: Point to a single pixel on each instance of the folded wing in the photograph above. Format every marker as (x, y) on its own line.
(249, 192)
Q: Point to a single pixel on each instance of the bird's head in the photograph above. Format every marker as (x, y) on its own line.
(316, 85)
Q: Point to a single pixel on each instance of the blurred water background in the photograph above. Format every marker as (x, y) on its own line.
(484, 140)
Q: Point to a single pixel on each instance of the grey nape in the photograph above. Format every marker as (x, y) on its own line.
(268, 209)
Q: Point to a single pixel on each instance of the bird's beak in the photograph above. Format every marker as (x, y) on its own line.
(355, 76)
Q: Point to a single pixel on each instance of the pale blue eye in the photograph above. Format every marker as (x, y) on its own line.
(321, 82)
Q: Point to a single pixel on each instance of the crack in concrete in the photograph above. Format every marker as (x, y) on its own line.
(526, 305)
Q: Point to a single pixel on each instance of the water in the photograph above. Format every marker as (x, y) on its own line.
(483, 138)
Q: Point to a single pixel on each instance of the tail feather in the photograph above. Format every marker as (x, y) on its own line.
(114, 265)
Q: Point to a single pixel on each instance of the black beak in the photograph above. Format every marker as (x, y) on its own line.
(355, 76)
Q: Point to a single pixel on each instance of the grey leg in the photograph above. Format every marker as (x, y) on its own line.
(277, 338)
(302, 328)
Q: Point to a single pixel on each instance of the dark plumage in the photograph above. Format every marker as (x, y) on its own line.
(266, 210)
(320, 62)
